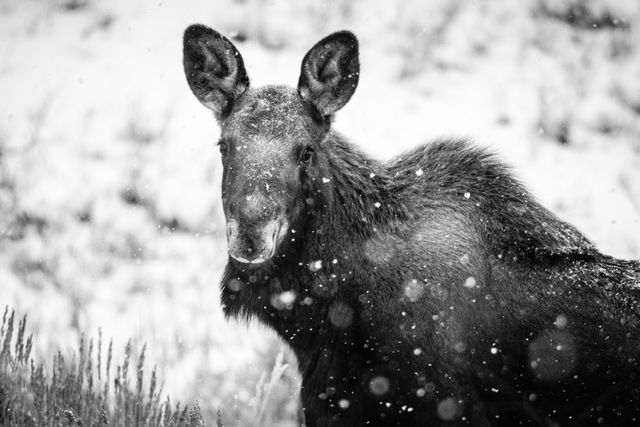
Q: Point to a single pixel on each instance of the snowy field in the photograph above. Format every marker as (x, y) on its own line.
(109, 176)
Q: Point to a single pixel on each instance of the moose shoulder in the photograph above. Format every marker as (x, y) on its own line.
(430, 290)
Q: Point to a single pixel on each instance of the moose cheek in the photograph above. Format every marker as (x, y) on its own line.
(290, 178)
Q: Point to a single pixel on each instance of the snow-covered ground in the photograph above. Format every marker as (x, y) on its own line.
(109, 178)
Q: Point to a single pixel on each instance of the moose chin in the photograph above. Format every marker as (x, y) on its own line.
(429, 290)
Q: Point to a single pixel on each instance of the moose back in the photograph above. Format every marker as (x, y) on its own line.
(431, 290)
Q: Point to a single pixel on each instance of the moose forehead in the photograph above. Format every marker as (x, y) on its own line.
(264, 133)
(270, 115)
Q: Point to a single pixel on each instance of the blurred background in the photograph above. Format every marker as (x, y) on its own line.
(109, 177)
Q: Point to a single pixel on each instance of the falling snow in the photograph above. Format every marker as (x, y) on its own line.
(234, 285)
(340, 315)
(413, 290)
(448, 409)
(379, 385)
(561, 321)
(315, 265)
(470, 282)
(380, 248)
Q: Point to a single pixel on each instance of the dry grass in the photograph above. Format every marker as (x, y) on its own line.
(85, 391)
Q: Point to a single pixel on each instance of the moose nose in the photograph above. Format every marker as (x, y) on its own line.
(253, 244)
(252, 208)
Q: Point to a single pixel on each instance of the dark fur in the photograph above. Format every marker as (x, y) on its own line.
(547, 331)
(530, 268)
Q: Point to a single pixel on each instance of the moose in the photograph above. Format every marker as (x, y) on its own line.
(428, 290)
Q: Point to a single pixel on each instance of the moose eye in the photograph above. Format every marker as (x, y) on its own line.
(306, 156)
(223, 147)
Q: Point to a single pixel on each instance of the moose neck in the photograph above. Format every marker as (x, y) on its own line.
(358, 197)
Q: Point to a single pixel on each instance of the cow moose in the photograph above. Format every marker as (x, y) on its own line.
(429, 290)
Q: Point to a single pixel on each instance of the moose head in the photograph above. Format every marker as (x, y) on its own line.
(271, 137)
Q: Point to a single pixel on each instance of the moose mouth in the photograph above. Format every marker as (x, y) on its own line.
(263, 243)
(258, 260)
(246, 261)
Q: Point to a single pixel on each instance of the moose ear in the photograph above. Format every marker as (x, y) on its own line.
(330, 71)
(214, 68)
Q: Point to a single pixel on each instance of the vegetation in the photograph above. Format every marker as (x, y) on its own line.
(85, 391)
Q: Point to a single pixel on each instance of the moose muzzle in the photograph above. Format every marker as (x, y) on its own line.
(253, 244)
